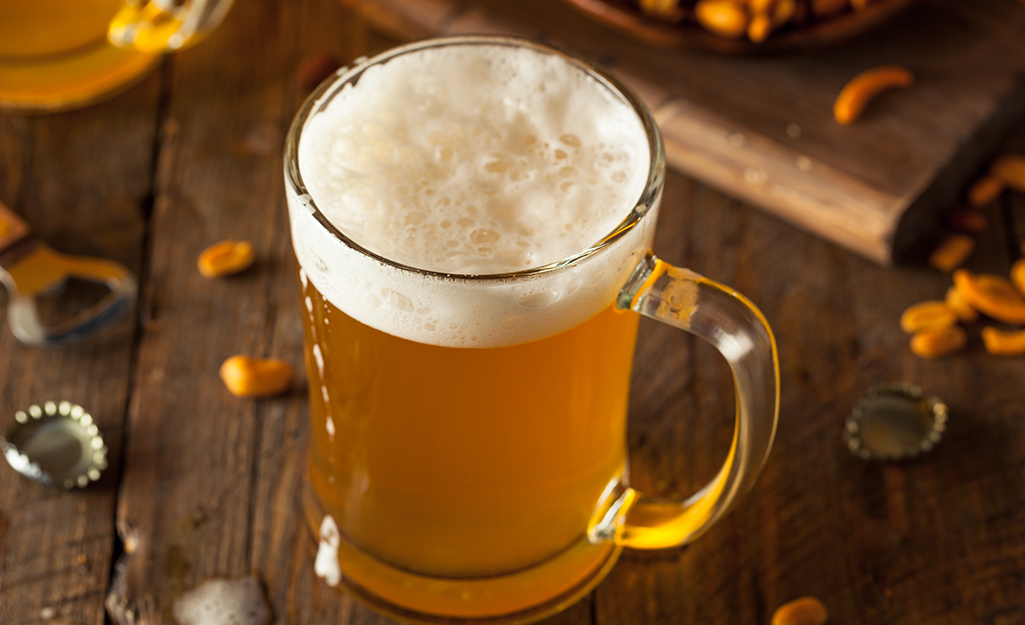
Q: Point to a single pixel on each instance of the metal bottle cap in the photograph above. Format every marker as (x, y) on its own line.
(56, 444)
(894, 422)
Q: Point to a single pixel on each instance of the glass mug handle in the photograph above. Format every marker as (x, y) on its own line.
(732, 324)
(158, 26)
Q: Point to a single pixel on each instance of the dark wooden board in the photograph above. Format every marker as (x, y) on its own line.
(874, 187)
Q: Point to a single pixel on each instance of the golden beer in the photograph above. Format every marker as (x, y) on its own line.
(469, 462)
(57, 54)
(30, 29)
(472, 219)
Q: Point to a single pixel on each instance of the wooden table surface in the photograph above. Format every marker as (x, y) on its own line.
(191, 155)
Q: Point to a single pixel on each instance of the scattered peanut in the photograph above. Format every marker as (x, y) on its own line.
(760, 28)
(250, 377)
(960, 307)
(937, 343)
(968, 221)
(225, 258)
(1018, 275)
(1010, 169)
(991, 295)
(985, 190)
(951, 252)
(803, 611)
(863, 87)
(1000, 343)
(928, 315)
(727, 18)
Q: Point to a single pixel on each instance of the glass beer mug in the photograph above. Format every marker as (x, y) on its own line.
(472, 219)
(58, 54)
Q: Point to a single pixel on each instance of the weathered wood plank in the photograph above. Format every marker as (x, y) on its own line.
(82, 179)
(192, 448)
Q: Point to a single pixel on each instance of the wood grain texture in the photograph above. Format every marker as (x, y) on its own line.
(194, 450)
(874, 187)
(68, 176)
(213, 482)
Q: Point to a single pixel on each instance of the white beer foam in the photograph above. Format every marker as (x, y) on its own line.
(473, 161)
(223, 602)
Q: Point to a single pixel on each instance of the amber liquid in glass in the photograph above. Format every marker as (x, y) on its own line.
(461, 462)
(54, 54)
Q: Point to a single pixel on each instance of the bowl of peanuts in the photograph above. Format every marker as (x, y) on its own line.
(742, 26)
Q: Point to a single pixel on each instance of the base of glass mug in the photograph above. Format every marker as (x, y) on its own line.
(518, 598)
(66, 81)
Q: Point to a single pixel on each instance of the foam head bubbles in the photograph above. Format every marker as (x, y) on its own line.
(470, 160)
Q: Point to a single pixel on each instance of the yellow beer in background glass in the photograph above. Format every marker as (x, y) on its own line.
(30, 29)
(58, 54)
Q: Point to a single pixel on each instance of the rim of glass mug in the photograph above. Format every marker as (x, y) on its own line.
(322, 96)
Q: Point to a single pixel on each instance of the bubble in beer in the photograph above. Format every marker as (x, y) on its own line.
(397, 300)
(539, 299)
(319, 357)
(326, 563)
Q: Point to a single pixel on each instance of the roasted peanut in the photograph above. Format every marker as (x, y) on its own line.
(1000, 343)
(991, 295)
(803, 611)
(825, 8)
(759, 28)
(985, 190)
(951, 252)
(927, 315)
(1010, 169)
(937, 343)
(961, 308)
(863, 87)
(722, 17)
(1018, 275)
(251, 377)
(225, 258)
(968, 221)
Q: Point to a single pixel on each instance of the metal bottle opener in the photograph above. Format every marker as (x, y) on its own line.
(29, 267)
